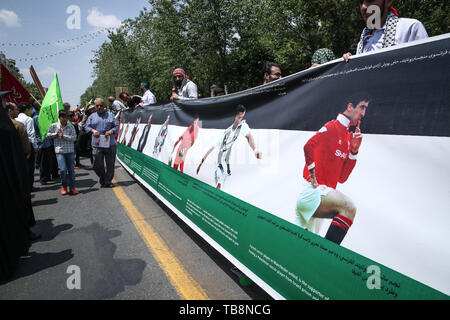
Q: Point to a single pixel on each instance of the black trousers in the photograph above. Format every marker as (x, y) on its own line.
(31, 163)
(48, 164)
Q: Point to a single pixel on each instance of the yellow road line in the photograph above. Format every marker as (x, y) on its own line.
(184, 284)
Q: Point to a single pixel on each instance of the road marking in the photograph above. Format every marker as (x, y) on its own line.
(184, 284)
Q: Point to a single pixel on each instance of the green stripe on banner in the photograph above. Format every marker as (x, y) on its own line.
(294, 262)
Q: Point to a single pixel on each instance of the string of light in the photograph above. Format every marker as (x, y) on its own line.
(54, 54)
(55, 42)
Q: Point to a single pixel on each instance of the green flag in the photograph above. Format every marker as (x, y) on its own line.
(51, 104)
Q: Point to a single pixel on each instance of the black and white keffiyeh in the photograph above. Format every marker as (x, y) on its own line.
(389, 33)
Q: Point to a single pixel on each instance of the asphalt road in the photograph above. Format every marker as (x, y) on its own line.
(93, 233)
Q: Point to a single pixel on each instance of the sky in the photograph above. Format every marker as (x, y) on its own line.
(36, 29)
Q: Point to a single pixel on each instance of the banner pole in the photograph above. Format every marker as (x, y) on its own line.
(37, 82)
(35, 99)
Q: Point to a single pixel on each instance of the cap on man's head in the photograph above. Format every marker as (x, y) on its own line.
(179, 71)
(4, 93)
(323, 55)
(145, 84)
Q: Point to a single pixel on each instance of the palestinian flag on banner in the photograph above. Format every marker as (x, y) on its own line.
(51, 104)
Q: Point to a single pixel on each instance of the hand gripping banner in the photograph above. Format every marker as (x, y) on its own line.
(331, 183)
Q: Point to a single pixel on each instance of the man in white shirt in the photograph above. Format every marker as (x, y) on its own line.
(391, 30)
(182, 87)
(148, 98)
(121, 104)
(116, 104)
(25, 110)
(24, 117)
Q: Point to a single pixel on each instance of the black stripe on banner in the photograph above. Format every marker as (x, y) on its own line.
(408, 90)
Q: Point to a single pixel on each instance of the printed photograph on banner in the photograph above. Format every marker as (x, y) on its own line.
(222, 149)
(161, 138)
(338, 169)
(330, 156)
(144, 136)
(134, 131)
(184, 143)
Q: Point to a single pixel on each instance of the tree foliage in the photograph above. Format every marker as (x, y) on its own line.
(227, 42)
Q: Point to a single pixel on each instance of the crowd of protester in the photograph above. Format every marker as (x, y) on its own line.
(91, 132)
(55, 154)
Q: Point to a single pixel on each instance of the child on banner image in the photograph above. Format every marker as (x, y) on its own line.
(225, 144)
(134, 131)
(144, 135)
(330, 157)
(161, 138)
(187, 141)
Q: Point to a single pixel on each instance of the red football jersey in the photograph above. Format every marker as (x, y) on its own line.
(328, 151)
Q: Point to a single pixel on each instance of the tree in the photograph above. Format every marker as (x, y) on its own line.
(227, 42)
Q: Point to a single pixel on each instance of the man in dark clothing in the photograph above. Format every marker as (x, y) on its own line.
(16, 212)
(46, 157)
(103, 127)
(74, 121)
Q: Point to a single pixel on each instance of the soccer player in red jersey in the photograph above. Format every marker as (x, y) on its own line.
(330, 158)
(187, 140)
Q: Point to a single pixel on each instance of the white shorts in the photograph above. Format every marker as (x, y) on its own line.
(309, 200)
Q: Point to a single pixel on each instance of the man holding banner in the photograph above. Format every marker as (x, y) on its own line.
(384, 28)
(148, 98)
(272, 72)
(330, 158)
(182, 87)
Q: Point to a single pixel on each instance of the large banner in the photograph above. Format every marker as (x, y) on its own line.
(373, 221)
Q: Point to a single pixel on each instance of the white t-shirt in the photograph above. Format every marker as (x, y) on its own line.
(148, 98)
(407, 30)
(117, 105)
(28, 124)
(189, 91)
(230, 135)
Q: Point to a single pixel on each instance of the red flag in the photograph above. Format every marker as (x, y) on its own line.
(9, 82)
